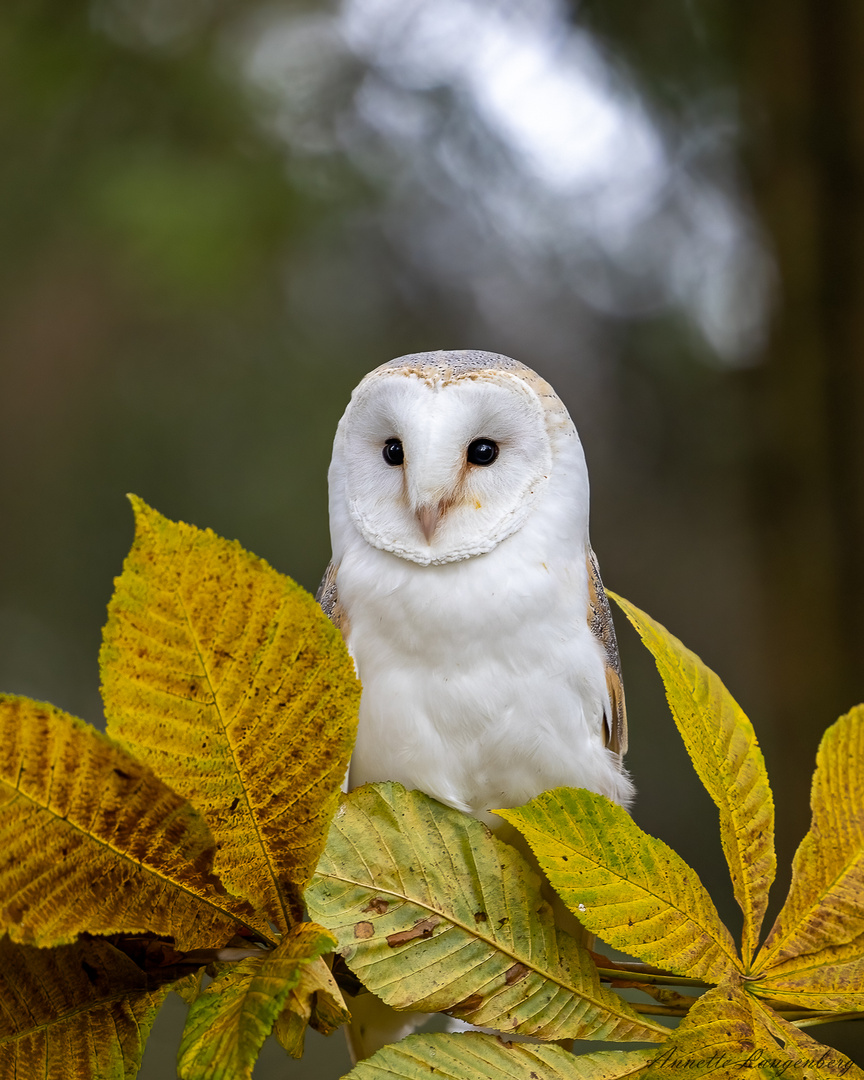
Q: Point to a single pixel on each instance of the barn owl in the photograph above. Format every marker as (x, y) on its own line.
(466, 589)
(464, 584)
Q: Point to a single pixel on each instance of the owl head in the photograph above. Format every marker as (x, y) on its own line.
(441, 456)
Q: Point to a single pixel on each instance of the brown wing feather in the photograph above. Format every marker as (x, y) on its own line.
(328, 597)
(602, 627)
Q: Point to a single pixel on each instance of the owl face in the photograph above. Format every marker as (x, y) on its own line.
(437, 464)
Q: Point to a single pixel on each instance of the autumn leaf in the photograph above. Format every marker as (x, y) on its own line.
(230, 685)
(78, 1012)
(227, 680)
(722, 745)
(473, 1056)
(316, 1002)
(93, 841)
(231, 1018)
(628, 887)
(730, 1033)
(641, 897)
(814, 954)
(434, 913)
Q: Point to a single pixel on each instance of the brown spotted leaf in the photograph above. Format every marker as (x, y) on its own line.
(434, 913)
(93, 841)
(227, 680)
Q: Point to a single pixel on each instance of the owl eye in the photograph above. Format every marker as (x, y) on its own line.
(482, 452)
(393, 452)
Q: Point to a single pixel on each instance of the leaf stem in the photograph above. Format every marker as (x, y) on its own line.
(642, 973)
(656, 1010)
(823, 1018)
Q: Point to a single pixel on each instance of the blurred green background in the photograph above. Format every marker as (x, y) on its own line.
(217, 215)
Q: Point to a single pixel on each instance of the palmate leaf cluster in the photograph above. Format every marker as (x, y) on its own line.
(195, 824)
(403, 879)
(186, 841)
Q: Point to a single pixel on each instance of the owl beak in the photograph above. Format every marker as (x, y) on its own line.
(429, 516)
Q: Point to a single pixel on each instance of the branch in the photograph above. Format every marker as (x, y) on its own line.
(656, 1010)
(642, 973)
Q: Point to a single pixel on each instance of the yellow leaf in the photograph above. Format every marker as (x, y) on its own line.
(473, 1056)
(434, 913)
(93, 841)
(315, 1001)
(231, 1018)
(809, 1059)
(78, 1012)
(809, 983)
(726, 756)
(628, 887)
(818, 938)
(728, 1033)
(228, 681)
(290, 1030)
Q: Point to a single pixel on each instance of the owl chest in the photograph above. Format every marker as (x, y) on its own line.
(445, 620)
(474, 676)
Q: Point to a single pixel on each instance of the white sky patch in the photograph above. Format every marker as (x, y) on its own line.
(551, 105)
(538, 82)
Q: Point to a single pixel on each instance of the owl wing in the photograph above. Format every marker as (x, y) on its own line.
(601, 626)
(328, 597)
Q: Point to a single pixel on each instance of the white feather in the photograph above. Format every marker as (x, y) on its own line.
(483, 684)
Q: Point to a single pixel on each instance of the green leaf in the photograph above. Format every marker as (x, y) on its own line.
(626, 886)
(434, 913)
(729, 1033)
(814, 955)
(81, 1012)
(722, 745)
(231, 1018)
(93, 841)
(228, 681)
(473, 1056)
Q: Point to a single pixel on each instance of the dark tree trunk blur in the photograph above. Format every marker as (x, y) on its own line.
(803, 102)
(798, 66)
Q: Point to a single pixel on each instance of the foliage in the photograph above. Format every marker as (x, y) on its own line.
(87, 1003)
(404, 874)
(187, 839)
(477, 1057)
(230, 1019)
(100, 817)
(221, 675)
(434, 913)
(215, 671)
